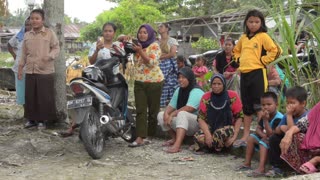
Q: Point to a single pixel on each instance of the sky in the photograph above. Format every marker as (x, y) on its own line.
(85, 10)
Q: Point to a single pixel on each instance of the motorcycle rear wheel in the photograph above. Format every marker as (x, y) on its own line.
(91, 134)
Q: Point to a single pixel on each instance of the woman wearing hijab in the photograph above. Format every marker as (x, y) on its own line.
(147, 85)
(302, 142)
(220, 117)
(180, 116)
(15, 47)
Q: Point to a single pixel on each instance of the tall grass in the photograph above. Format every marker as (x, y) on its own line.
(286, 33)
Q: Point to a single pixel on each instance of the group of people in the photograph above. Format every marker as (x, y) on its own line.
(213, 118)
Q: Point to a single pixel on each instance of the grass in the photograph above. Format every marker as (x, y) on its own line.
(3, 57)
(286, 33)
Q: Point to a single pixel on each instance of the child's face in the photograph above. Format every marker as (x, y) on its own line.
(180, 64)
(253, 24)
(199, 62)
(228, 46)
(269, 105)
(298, 107)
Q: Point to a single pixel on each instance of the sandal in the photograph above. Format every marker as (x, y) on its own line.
(308, 168)
(239, 143)
(242, 168)
(274, 172)
(255, 174)
(135, 144)
(65, 134)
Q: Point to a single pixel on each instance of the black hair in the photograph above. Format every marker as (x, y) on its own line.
(231, 40)
(114, 27)
(167, 25)
(181, 58)
(38, 11)
(298, 93)
(258, 14)
(270, 94)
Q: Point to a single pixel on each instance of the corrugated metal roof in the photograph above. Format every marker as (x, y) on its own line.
(72, 31)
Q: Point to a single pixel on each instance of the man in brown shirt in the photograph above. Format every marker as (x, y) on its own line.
(40, 48)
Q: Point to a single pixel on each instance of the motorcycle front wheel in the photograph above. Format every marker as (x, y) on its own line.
(91, 134)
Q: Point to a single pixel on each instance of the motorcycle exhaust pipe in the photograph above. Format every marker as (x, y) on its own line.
(107, 124)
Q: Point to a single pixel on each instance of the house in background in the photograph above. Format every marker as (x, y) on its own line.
(71, 36)
(219, 26)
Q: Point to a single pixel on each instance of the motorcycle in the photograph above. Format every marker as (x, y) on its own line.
(100, 103)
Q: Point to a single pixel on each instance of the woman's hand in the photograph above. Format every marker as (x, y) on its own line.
(19, 74)
(100, 45)
(208, 139)
(168, 120)
(285, 143)
(230, 141)
(137, 48)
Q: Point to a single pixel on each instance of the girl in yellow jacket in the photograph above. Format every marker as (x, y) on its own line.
(254, 50)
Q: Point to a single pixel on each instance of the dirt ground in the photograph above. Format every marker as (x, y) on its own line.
(33, 154)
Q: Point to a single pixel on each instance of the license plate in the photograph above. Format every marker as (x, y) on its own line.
(80, 102)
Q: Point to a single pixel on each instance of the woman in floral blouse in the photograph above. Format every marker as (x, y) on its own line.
(220, 116)
(148, 83)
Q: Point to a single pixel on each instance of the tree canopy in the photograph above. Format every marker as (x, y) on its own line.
(128, 16)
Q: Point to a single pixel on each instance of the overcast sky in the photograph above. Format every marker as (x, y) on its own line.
(85, 10)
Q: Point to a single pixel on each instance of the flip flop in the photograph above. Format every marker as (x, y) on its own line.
(242, 168)
(308, 168)
(65, 134)
(135, 144)
(239, 143)
(255, 174)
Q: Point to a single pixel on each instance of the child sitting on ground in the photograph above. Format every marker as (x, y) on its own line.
(259, 140)
(200, 70)
(296, 98)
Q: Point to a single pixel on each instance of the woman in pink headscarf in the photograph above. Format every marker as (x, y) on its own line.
(300, 146)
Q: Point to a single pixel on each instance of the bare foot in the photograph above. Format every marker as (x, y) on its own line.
(169, 143)
(172, 150)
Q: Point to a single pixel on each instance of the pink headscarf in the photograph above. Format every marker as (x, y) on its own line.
(312, 138)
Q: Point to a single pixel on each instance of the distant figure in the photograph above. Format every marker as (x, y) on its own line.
(168, 63)
(181, 61)
(224, 64)
(254, 51)
(199, 70)
(40, 49)
(15, 49)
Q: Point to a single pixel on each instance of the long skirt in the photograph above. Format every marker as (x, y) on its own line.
(169, 69)
(295, 157)
(40, 101)
(20, 88)
(219, 137)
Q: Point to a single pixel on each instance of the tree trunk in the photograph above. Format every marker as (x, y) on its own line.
(54, 11)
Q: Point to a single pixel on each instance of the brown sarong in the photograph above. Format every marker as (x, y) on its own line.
(40, 101)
